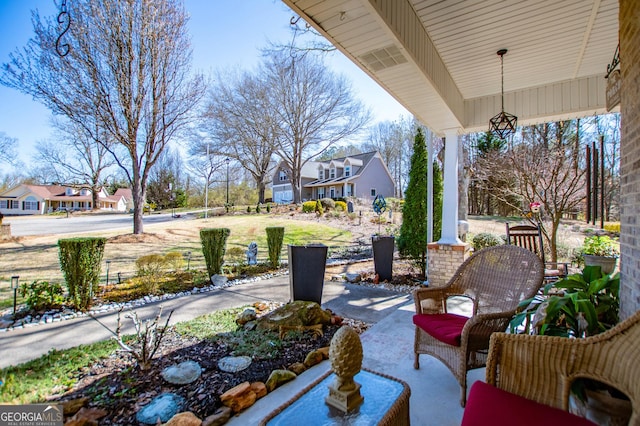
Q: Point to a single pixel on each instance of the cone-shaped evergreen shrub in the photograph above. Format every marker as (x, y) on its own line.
(275, 236)
(214, 241)
(80, 261)
(412, 241)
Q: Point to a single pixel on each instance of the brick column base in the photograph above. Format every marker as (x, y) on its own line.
(444, 260)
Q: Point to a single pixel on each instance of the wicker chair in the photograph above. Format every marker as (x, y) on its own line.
(534, 373)
(496, 279)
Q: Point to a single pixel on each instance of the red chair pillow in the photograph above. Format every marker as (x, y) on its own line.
(445, 327)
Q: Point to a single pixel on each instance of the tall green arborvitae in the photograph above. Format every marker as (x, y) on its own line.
(438, 189)
(412, 241)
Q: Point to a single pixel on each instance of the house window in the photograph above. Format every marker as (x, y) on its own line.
(14, 204)
(332, 192)
(347, 171)
(320, 192)
(63, 204)
(332, 173)
(282, 176)
(30, 205)
(321, 174)
(4, 204)
(373, 192)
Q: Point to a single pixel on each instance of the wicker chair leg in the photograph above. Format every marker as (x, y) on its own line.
(416, 361)
(463, 395)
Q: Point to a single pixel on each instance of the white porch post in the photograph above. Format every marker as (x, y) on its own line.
(450, 193)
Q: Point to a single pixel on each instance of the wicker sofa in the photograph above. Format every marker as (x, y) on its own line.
(529, 377)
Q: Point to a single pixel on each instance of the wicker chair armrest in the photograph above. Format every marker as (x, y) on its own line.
(436, 298)
(480, 327)
(534, 367)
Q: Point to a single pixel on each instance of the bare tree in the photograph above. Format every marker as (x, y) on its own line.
(76, 158)
(313, 109)
(241, 125)
(7, 148)
(128, 65)
(540, 168)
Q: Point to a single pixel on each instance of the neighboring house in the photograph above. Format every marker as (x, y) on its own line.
(361, 176)
(127, 195)
(40, 199)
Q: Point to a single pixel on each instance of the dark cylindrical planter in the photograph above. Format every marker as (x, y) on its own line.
(383, 256)
(306, 272)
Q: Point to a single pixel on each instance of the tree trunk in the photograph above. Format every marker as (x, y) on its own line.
(138, 206)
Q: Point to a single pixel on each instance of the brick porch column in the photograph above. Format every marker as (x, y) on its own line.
(444, 260)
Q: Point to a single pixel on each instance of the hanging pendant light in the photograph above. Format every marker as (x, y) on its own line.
(504, 124)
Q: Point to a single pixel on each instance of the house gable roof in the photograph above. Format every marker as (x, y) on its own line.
(360, 159)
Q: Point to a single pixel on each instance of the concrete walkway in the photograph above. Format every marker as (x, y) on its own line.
(388, 345)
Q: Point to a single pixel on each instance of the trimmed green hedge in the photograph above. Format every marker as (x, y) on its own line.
(275, 236)
(214, 242)
(80, 261)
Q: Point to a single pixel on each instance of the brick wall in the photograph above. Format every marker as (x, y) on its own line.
(629, 18)
(444, 260)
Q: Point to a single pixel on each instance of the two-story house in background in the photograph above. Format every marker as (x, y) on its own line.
(362, 176)
(40, 199)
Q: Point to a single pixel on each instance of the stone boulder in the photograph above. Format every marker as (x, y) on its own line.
(239, 397)
(278, 378)
(219, 417)
(186, 418)
(297, 313)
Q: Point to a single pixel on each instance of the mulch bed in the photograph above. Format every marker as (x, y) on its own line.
(116, 385)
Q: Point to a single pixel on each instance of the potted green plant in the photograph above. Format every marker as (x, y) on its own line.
(580, 305)
(600, 250)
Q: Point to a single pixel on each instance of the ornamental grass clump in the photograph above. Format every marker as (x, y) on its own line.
(214, 242)
(275, 236)
(80, 260)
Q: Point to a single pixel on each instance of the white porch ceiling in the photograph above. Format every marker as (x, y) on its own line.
(438, 57)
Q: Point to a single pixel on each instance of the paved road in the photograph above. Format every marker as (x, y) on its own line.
(57, 225)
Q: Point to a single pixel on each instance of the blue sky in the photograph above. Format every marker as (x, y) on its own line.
(225, 34)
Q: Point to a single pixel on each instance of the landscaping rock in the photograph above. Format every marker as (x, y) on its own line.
(234, 364)
(86, 417)
(218, 280)
(259, 388)
(239, 397)
(353, 278)
(297, 313)
(162, 407)
(69, 408)
(297, 367)
(183, 373)
(278, 378)
(313, 358)
(245, 316)
(324, 351)
(220, 417)
(186, 418)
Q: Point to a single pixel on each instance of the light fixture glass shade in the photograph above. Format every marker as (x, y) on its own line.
(503, 125)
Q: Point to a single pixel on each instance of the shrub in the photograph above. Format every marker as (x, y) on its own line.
(600, 245)
(80, 260)
(150, 265)
(236, 255)
(308, 207)
(258, 208)
(485, 239)
(328, 203)
(213, 247)
(341, 206)
(248, 209)
(42, 295)
(275, 236)
(613, 228)
(319, 209)
(174, 260)
(268, 207)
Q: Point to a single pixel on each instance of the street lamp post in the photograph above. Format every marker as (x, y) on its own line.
(15, 283)
(227, 161)
(206, 190)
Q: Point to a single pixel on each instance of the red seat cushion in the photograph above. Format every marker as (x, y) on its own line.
(488, 405)
(445, 327)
